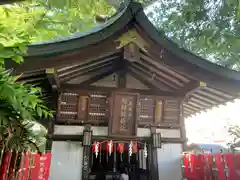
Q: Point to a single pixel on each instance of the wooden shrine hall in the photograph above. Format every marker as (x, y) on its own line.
(121, 94)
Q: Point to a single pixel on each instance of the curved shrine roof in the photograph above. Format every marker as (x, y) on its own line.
(203, 83)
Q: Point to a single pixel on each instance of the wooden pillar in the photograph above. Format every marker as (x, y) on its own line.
(154, 158)
(115, 157)
(51, 122)
(87, 141)
(182, 126)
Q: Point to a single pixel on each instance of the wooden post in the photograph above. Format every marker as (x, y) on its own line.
(154, 158)
(115, 157)
(87, 141)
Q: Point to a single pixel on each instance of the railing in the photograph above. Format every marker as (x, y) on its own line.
(211, 167)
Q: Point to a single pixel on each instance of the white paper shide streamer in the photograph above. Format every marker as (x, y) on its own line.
(130, 148)
(145, 150)
(96, 148)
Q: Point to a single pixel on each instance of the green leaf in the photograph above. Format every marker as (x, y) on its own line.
(17, 59)
(39, 111)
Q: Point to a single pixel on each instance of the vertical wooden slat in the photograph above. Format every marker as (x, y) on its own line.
(82, 106)
(158, 111)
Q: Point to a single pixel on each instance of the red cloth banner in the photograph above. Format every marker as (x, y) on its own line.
(5, 165)
(36, 166)
(193, 168)
(230, 162)
(20, 171)
(220, 167)
(12, 165)
(47, 165)
(208, 167)
(186, 167)
(45, 161)
(201, 166)
(26, 166)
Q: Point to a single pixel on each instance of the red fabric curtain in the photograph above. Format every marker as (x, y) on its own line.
(193, 158)
(5, 165)
(208, 163)
(220, 167)
(26, 166)
(12, 165)
(230, 162)
(36, 166)
(201, 164)
(186, 166)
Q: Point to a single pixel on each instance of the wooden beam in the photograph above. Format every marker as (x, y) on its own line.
(164, 75)
(90, 70)
(52, 77)
(163, 67)
(150, 84)
(190, 88)
(85, 66)
(204, 99)
(92, 52)
(193, 71)
(66, 69)
(78, 88)
(165, 82)
(101, 75)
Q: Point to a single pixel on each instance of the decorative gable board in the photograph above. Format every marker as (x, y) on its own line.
(133, 83)
(109, 81)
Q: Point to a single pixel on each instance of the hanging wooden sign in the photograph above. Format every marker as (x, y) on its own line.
(124, 114)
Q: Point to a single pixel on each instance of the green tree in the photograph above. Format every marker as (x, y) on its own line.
(234, 131)
(209, 28)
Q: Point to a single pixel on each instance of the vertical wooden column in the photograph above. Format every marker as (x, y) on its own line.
(87, 141)
(154, 158)
(115, 157)
(51, 124)
(182, 126)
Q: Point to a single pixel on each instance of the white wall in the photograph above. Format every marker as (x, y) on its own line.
(169, 161)
(66, 161)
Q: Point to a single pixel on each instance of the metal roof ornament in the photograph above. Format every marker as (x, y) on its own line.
(132, 36)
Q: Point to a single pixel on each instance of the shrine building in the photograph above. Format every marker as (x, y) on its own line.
(121, 93)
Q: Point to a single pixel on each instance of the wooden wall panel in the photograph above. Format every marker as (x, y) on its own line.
(147, 108)
(171, 111)
(68, 106)
(133, 83)
(98, 107)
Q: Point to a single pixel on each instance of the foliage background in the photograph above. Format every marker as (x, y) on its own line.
(208, 28)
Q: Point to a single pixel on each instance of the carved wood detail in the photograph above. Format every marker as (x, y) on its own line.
(124, 114)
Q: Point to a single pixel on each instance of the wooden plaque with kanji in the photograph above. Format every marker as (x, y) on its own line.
(124, 114)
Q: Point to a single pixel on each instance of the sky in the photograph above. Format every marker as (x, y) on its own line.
(210, 126)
